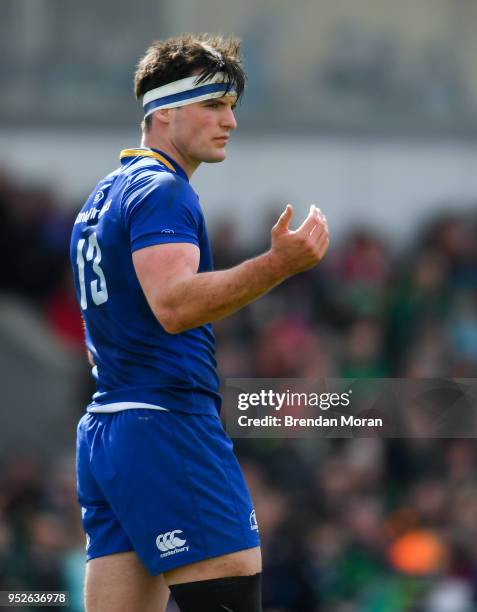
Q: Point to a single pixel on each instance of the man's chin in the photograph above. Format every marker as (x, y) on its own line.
(216, 156)
(211, 156)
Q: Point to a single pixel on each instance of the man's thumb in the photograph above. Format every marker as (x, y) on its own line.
(284, 219)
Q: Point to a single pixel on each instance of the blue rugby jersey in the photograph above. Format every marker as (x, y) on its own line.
(147, 201)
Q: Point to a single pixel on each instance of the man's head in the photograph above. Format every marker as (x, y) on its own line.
(198, 122)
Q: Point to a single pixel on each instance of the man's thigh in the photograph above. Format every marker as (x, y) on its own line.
(121, 583)
(242, 563)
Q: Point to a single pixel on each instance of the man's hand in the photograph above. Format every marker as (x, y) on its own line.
(296, 251)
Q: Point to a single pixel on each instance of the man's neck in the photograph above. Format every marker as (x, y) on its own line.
(188, 165)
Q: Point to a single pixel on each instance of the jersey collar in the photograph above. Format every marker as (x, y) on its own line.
(162, 157)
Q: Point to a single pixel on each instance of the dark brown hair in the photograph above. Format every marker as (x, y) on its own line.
(176, 58)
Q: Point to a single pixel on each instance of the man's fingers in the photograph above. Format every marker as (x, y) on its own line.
(310, 222)
(314, 225)
(322, 245)
(320, 216)
(284, 219)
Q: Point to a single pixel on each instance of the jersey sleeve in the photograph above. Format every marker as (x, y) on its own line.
(161, 211)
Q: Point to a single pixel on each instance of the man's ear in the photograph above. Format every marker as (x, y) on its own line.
(162, 115)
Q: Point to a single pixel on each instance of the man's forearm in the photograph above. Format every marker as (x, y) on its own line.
(181, 298)
(210, 296)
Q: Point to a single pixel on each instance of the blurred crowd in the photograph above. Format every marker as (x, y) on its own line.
(351, 525)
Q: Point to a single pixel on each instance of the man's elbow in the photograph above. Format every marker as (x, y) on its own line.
(170, 321)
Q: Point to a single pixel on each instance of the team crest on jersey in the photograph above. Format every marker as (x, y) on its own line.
(98, 197)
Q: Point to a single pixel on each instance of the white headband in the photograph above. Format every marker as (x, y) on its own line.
(185, 91)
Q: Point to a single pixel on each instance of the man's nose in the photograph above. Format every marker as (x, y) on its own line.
(228, 119)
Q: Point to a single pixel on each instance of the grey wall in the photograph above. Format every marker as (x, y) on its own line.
(391, 185)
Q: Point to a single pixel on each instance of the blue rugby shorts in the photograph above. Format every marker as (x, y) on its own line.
(164, 484)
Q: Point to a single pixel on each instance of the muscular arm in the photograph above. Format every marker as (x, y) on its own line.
(182, 299)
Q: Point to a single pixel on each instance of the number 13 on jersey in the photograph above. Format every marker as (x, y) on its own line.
(93, 254)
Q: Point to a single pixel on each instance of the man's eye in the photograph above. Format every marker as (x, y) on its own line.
(213, 105)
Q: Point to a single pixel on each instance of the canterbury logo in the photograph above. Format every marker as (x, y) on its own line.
(170, 543)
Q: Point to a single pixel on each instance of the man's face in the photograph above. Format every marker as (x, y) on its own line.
(200, 131)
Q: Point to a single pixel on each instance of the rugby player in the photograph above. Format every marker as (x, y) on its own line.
(164, 504)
